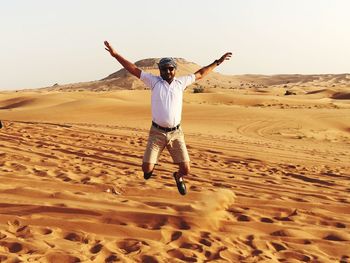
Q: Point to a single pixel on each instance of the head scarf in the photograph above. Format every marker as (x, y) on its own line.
(167, 61)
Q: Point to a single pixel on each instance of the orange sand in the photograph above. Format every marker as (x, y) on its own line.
(269, 182)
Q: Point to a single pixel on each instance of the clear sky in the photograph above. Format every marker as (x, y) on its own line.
(45, 42)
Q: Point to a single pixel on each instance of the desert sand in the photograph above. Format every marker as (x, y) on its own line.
(270, 179)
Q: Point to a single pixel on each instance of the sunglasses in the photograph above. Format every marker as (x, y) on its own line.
(167, 68)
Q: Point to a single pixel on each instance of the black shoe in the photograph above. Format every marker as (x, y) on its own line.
(147, 175)
(180, 184)
(0, 124)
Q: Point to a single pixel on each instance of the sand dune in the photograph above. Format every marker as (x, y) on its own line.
(269, 182)
(300, 84)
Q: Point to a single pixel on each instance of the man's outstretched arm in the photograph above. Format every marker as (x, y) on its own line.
(207, 69)
(131, 67)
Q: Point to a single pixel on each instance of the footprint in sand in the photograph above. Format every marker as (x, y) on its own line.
(96, 248)
(2, 236)
(278, 247)
(131, 245)
(192, 246)
(148, 259)
(296, 255)
(39, 173)
(336, 237)
(176, 235)
(85, 180)
(13, 247)
(24, 232)
(340, 225)
(205, 242)
(60, 257)
(18, 167)
(206, 239)
(266, 220)
(183, 225)
(279, 233)
(76, 237)
(179, 254)
(112, 258)
(45, 231)
(243, 218)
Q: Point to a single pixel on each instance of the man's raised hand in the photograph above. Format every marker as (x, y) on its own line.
(109, 49)
(224, 57)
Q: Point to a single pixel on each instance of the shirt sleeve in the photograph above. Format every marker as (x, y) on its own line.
(149, 79)
(187, 80)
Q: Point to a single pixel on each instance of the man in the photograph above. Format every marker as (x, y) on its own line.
(167, 94)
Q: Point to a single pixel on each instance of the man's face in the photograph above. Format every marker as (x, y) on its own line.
(167, 72)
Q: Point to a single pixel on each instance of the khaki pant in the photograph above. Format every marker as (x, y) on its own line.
(174, 141)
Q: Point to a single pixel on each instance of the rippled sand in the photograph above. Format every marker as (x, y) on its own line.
(269, 181)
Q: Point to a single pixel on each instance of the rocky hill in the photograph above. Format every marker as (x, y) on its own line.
(121, 80)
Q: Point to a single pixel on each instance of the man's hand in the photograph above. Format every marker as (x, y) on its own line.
(110, 49)
(131, 67)
(224, 57)
(205, 70)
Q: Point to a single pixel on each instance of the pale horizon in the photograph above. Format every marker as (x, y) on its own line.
(44, 43)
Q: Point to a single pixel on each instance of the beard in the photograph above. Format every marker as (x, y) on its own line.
(167, 76)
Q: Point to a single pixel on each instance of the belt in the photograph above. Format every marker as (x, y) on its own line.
(164, 128)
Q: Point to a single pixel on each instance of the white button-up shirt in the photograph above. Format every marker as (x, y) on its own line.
(167, 98)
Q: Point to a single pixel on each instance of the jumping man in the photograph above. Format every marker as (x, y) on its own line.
(167, 93)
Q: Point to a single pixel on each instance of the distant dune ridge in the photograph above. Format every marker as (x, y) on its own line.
(299, 83)
(269, 180)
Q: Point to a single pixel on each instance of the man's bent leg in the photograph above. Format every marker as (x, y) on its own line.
(147, 169)
(178, 150)
(155, 145)
(184, 169)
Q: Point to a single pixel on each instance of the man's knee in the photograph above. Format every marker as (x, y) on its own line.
(147, 167)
